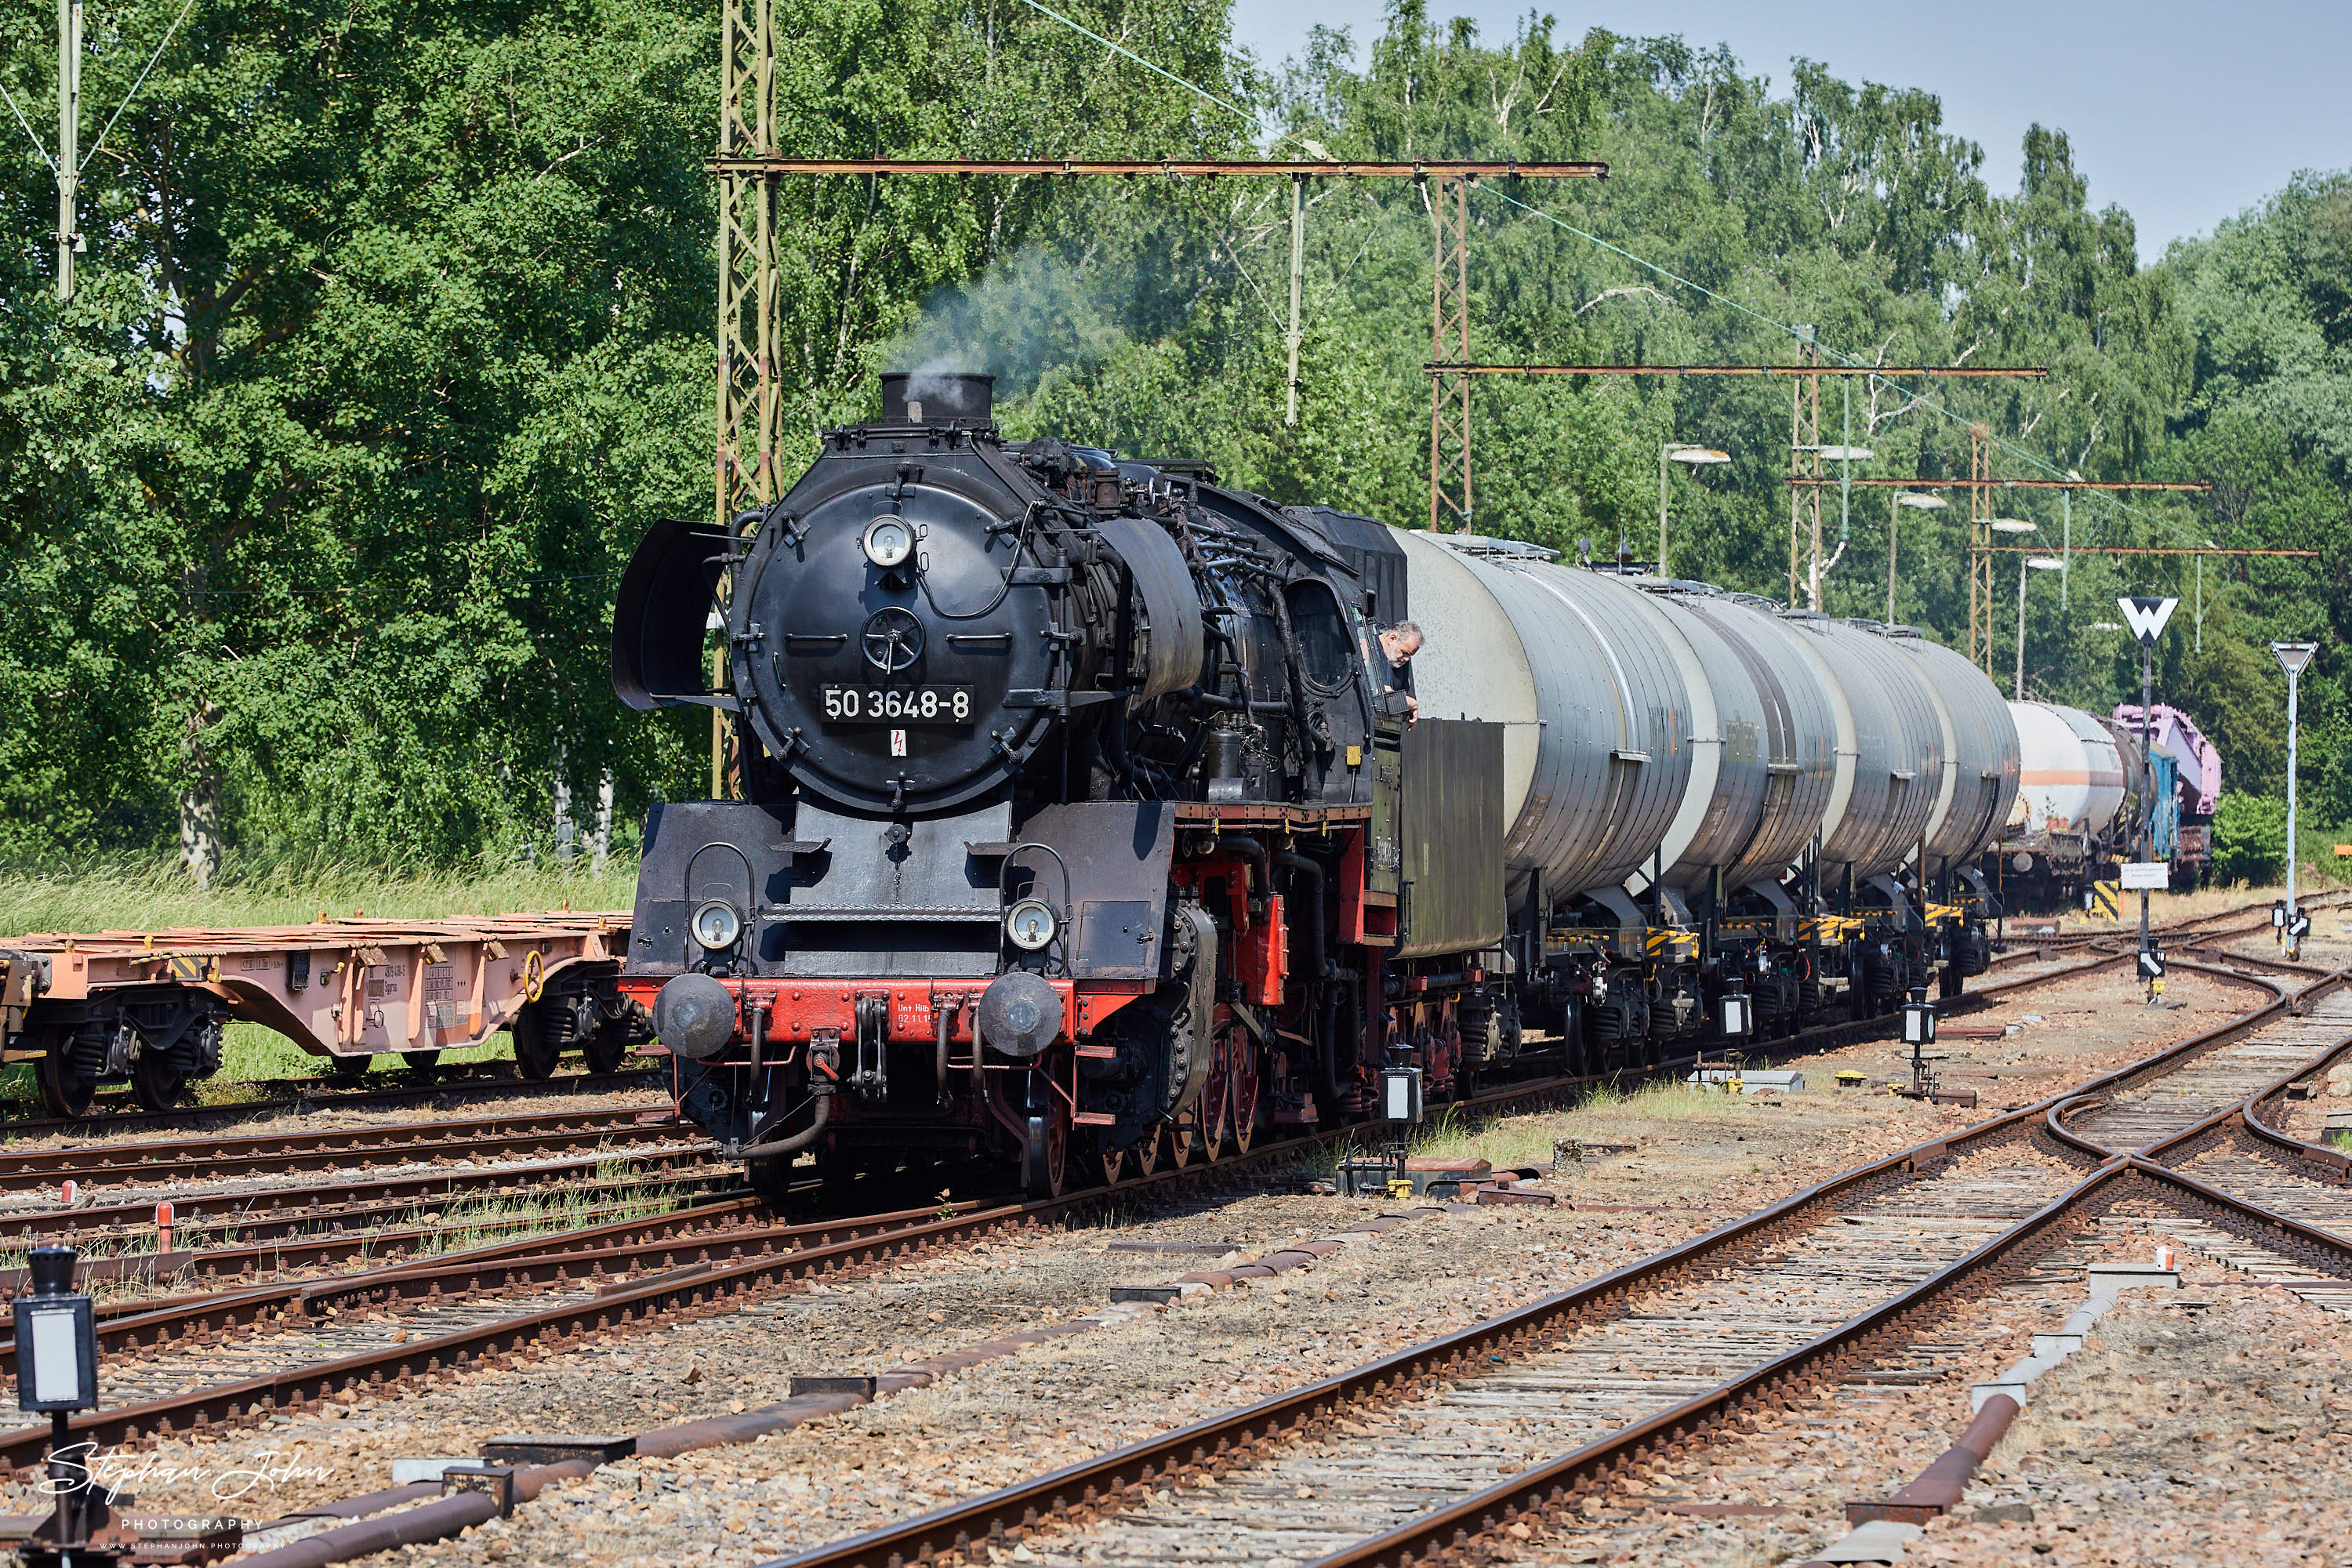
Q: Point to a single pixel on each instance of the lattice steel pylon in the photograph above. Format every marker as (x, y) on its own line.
(1449, 344)
(1981, 546)
(749, 405)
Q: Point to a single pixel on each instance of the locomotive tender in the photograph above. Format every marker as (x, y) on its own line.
(1086, 823)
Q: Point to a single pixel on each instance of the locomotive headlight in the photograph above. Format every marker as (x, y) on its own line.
(1031, 924)
(717, 925)
(888, 542)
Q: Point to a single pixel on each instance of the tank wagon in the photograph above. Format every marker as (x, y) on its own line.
(2080, 805)
(1096, 813)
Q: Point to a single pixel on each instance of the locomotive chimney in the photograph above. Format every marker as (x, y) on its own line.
(938, 397)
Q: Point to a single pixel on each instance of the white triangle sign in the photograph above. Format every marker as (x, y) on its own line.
(2146, 616)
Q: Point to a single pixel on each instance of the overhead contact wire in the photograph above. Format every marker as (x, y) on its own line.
(169, 34)
(1125, 52)
(27, 124)
(1921, 399)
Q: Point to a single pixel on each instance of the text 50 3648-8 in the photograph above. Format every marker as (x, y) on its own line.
(897, 704)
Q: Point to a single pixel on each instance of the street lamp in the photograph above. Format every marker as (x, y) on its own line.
(1690, 455)
(1845, 457)
(2292, 658)
(1917, 502)
(2025, 563)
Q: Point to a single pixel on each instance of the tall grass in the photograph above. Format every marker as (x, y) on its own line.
(121, 892)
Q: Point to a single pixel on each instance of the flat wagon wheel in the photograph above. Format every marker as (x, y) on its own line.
(608, 1045)
(348, 1069)
(64, 1092)
(153, 1084)
(423, 1061)
(536, 1044)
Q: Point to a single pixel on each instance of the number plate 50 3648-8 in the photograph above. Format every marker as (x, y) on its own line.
(897, 704)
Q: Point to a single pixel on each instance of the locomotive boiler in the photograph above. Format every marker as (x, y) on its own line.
(1088, 822)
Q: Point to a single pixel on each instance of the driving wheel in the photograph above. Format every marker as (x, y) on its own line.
(1246, 1086)
(1046, 1163)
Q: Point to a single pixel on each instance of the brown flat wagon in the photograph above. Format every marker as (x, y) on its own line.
(153, 1007)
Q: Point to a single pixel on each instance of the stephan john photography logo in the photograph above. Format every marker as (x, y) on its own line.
(256, 1473)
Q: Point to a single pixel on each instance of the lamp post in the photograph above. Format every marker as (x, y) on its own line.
(2292, 658)
(1845, 457)
(2028, 563)
(2017, 525)
(2146, 617)
(1917, 502)
(1690, 455)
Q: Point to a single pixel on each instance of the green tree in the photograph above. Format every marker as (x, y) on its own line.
(2249, 839)
(393, 332)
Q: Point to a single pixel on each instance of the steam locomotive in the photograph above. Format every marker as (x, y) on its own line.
(1085, 822)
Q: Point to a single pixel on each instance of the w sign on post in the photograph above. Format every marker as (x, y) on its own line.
(2146, 616)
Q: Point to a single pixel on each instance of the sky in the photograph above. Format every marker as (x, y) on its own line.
(2182, 114)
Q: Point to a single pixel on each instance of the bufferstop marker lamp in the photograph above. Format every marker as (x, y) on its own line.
(57, 1373)
(57, 1360)
(1735, 1013)
(1401, 1093)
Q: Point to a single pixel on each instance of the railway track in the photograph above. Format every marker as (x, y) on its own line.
(350, 1206)
(212, 1158)
(248, 1236)
(416, 1320)
(1428, 1449)
(234, 1355)
(577, 1286)
(475, 1160)
(217, 1158)
(435, 1087)
(2244, 1153)
(2247, 917)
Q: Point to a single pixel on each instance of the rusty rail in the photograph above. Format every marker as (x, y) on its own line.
(1005, 1516)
